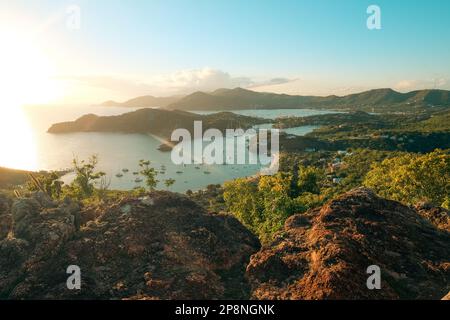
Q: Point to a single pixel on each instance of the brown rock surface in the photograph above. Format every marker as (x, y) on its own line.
(5, 216)
(324, 254)
(161, 247)
(164, 246)
(438, 216)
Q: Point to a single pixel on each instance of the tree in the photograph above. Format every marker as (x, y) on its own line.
(149, 174)
(48, 183)
(262, 204)
(169, 182)
(242, 199)
(85, 177)
(295, 190)
(308, 180)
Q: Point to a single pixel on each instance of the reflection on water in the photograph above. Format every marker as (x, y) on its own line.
(300, 131)
(275, 113)
(25, 144)
(17, 142)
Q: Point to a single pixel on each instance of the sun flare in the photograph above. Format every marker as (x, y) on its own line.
(17, 142)
(26, 72)
(25, 78)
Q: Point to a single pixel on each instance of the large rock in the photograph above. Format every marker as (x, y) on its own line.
(25, 212)
(13, 257)
(163, 246)
(325, 253)
(39, 233)
(5, 225)
(5, 216)
(5, 204)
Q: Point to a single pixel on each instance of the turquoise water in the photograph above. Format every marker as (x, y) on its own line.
(39, 150)
(272, 114)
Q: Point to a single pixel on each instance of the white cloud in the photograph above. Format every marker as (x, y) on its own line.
(180, 82)
(405, 85)
(205, 79)
(95, 88)
(434, 83)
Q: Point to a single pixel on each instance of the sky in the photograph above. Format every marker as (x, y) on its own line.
(87, 51)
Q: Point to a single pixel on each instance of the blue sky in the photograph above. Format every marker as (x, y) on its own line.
(312, 47)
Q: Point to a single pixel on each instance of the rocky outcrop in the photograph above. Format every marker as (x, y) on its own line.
(5, 216)
(39, 230)
(438, 216)
(162, 246)
(325, 253)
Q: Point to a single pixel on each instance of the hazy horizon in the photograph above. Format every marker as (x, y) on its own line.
(86, 52)
(99, 103)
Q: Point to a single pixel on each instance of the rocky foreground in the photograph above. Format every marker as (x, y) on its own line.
(159, 247)
(324, 254)
(164, 246)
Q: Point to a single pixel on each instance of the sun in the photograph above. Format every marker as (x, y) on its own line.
(26, 72)
(25, 78)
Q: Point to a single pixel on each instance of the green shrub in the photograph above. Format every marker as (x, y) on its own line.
(412, 178)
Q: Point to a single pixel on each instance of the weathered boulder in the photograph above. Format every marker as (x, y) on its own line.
(39, 233)
(43, 199)
(5, 216)
(5, 225)
(5, 204)
(162, 246)
(25, 212)
(325, 253)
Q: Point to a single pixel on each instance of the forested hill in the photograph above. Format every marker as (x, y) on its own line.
(159, 122)
(373, 100)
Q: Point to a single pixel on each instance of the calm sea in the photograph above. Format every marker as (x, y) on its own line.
(25, 144)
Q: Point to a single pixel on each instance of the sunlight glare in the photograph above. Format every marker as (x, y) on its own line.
(25, 77)
(25, 73)
(17, 145)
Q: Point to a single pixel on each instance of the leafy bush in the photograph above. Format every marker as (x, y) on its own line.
(48, 183)
(169, 182)
(412, 178)
(264, 204)
(82, 186)
(149, 174)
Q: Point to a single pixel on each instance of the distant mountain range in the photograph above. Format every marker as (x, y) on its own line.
(225, 99)
(143, 102)
(238, 98)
